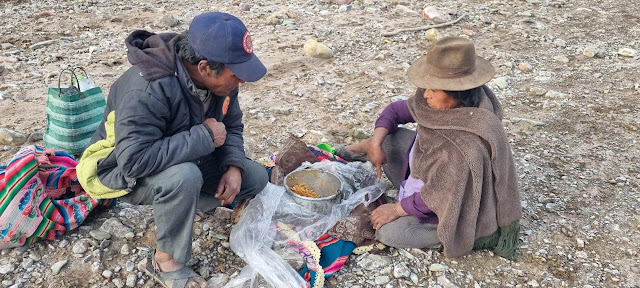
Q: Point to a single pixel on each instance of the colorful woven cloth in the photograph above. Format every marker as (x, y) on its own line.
(334, 253)
(40, 197)
(322, 155)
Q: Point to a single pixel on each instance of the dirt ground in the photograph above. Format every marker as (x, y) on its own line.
(567, 77)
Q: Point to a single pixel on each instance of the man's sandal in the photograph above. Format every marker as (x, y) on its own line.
(179, 277)
(348, 156)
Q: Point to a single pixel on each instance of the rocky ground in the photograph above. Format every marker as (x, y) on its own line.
(567, 76)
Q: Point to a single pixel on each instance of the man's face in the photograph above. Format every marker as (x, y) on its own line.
(221, 84)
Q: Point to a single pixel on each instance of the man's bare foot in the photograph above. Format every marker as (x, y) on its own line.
(166, 264)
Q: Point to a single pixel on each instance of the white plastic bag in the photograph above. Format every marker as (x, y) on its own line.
(255, 235)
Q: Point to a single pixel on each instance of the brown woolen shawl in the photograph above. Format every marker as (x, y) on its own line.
(464, 158)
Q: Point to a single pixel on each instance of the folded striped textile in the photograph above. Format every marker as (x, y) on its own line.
(40, 197)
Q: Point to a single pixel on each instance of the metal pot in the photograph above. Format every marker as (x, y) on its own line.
(325, 184)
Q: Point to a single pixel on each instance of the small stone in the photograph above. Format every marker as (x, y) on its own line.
(7, 268)
(533, 283)
(381, 280)
(105, 243)
(627, 52)
(12, 138)
(486, 19)
(34, 257)
(96, 267)
(7, 283)
(99, 235)
(537, 91)
(445, 282)
(433, 14)
(401, 271)
(27, 263)
(579, 243)
(125, 249)
(245, 6)
(55, 268)
(107, 274)
(317, 50)
(80, 247)
(131, 280)
(560, 43)
(552, 207)
(589, 52)
(467, 32)
(501, 82)
(555, 94)
(436, 267)
(561, 58)
(525, 67)
(432, 35)
(273, 19)
(35, 137)
(129, 235)
(345, 8)
(414, 278)
(281, 110)
(168, 21)
(218, 280)
(42, 44)
(582, 254)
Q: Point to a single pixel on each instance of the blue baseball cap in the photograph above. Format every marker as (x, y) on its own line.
(223, 38)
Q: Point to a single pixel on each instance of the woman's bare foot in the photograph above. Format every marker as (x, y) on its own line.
(166, 264)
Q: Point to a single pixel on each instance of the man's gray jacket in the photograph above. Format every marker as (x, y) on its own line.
(158, 116)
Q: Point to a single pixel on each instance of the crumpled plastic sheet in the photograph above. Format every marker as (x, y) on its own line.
(254, 236)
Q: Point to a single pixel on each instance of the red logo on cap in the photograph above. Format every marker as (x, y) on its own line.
(246, 43)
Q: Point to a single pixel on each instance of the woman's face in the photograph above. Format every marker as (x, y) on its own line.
(438, 99)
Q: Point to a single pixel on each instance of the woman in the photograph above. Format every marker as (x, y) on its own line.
(456, 176)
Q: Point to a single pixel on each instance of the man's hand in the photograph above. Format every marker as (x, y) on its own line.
(218, 129)
(376, 156)
(386, 213)
(229, 185)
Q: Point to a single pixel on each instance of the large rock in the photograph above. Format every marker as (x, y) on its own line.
(373, 262)
(12, 138)
(317, 50)
(168, 21)
(113, 226)
(7, 268)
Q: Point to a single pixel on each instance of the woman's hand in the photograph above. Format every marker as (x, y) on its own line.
(386, 213)
(376, 156)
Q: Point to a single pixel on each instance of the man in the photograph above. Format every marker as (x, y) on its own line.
(173, 128)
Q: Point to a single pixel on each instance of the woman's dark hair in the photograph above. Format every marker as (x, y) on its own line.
(186, 52)
(466, 98)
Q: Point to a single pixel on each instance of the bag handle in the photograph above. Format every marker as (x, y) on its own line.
(81, 69)
(74, 77)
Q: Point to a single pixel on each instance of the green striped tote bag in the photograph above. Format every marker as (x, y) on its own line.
(73, 114)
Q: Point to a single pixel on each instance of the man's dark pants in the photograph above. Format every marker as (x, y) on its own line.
(178, 191)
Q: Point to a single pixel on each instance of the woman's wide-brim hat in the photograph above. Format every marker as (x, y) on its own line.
(451, 64)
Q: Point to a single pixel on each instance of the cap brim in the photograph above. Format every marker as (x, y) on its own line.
(250, 71)
(482, 74)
